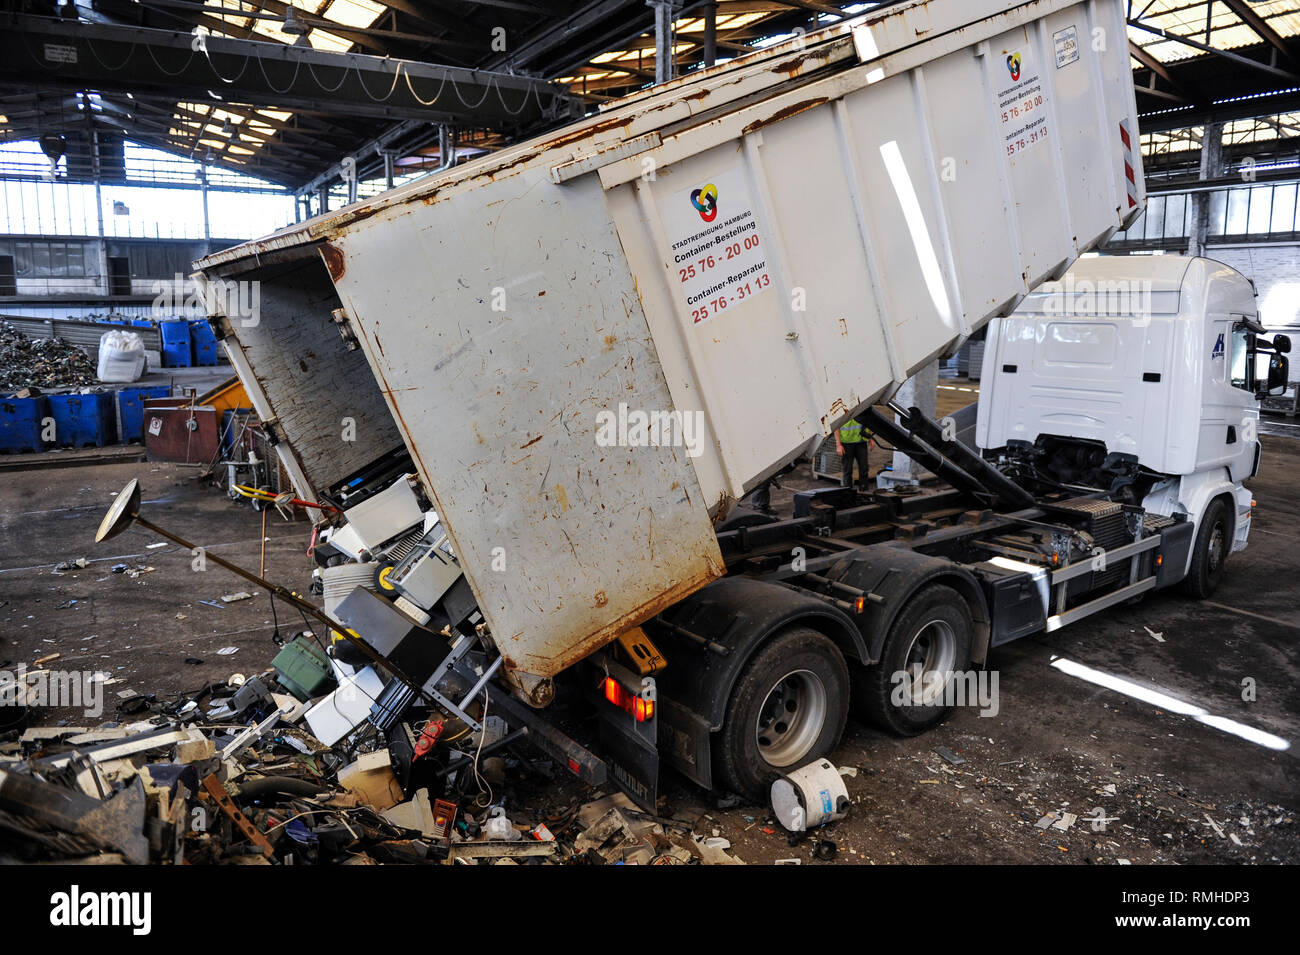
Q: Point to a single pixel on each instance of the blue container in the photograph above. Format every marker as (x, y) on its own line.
(175, 344)
(20, 423)
(204, 343)
(130, 410)
(83, 421)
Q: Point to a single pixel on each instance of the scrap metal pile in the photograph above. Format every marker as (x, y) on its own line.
(233, 775)
(41, 362)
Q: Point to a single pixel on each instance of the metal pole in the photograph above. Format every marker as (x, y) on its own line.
(290, 597)
(710, 34)
(446, 146)
(203, 186)
(1211, 167)
(388, 170)
(664, 15)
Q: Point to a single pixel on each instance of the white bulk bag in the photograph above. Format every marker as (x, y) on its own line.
(121, 357)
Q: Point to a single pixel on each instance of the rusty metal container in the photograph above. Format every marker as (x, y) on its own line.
(757, 250)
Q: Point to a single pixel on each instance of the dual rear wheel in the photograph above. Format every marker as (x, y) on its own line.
(790, 703)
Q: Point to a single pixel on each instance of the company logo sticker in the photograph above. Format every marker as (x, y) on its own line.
(1013, 66)
(705, 200)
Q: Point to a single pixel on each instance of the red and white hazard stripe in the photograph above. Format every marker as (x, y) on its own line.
(1129, 174)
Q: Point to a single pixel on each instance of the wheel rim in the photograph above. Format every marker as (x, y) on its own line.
(791, 718)
(1216, 547)
(933, 649)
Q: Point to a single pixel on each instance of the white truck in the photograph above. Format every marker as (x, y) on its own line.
(531, 390)
(1140, 376)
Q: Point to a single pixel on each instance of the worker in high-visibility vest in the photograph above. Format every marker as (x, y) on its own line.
(852, 441)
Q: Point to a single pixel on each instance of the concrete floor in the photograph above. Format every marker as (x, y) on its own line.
(142, 628)
(1184, 790)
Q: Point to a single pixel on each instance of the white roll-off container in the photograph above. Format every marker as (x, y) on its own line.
(762, 248)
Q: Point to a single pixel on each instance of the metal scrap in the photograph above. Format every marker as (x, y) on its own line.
(42, 362)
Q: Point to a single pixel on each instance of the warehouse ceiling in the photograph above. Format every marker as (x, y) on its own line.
(285, 92)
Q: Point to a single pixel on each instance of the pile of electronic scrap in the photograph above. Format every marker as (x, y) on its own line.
(234, 774)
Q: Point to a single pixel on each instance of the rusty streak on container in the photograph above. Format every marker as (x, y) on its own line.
(792, 110)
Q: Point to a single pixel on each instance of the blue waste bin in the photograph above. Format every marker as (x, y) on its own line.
(175, 344)
(204, 343)
(82, 421)
(130, 410)
(20, 423)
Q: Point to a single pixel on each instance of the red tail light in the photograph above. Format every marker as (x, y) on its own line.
(639, 709)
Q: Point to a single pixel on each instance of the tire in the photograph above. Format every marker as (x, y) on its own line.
(1209, 552)
(799, 672)
(933, 630)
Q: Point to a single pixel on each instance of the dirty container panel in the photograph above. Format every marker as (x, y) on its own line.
(83, 421)
(298, 371)
(21, 424)
(551, 525)
(911, 234)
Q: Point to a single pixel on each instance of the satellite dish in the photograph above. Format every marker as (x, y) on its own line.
(121, 513)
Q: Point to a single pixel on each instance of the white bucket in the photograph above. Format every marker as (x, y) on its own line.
(809, 797)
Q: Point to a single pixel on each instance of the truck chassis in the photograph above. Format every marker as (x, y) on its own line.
(875, 602)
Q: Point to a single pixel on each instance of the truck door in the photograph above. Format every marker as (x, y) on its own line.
(1227, 431)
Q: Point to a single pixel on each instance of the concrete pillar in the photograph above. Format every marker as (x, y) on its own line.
(919, 391)
(1211, 168)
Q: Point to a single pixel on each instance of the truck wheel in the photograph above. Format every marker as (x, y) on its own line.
(930, 640)
(1210, 552)
(788, 707)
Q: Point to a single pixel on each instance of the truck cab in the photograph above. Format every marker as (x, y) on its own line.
(1139, 375)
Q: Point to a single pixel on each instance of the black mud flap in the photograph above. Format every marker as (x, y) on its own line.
(630, 747)
(569, 753)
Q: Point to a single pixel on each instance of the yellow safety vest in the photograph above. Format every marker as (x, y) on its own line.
(851, 432)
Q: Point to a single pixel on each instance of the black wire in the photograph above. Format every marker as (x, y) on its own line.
(275, 620)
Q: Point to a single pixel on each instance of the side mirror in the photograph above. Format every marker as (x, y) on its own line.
(1282, 344)
(1278, 373)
